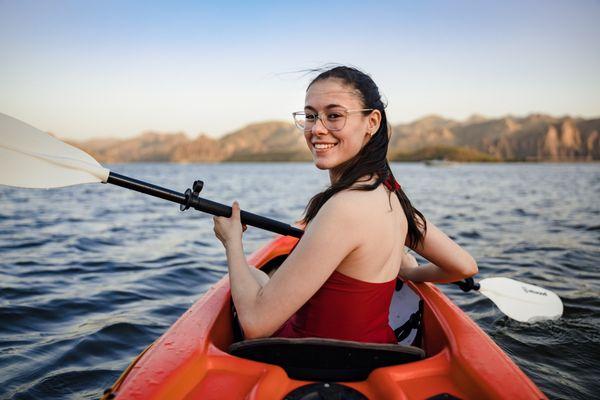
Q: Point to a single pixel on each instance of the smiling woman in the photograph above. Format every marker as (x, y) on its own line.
(339, 280)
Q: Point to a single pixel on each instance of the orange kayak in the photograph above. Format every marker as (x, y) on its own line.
(442, 354)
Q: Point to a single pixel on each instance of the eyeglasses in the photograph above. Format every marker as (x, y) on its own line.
(332, 120)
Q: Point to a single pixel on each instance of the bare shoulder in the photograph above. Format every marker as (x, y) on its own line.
(354, 206)
(338, 221)
(370, 200)
(353, 200)
(342, 206)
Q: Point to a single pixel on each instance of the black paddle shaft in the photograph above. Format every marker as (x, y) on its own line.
(203, 205)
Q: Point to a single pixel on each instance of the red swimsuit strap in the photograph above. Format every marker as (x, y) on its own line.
(391, 183)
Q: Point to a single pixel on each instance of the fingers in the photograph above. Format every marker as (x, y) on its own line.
(227, 229)
(408, 261)
(412, 261)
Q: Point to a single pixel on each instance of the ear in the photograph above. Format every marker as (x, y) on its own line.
(374, 121)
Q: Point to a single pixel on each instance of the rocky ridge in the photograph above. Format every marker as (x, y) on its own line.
(536, 137)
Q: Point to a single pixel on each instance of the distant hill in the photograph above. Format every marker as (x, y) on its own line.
(536, 137)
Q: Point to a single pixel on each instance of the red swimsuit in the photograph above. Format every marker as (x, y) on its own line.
(345, 308)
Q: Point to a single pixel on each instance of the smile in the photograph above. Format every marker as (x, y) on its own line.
(323, 146)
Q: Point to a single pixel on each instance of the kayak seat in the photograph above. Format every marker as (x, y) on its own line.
(317, 359)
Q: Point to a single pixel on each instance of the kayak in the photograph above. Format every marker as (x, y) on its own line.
(441, 354)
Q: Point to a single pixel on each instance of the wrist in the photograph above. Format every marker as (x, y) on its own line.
(233, 246)
(404, 273)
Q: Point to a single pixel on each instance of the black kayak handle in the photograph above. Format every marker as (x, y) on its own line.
(467, 284)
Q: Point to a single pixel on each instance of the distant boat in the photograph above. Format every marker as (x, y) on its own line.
(441, 163)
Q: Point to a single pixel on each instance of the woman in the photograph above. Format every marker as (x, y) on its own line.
(339, 280)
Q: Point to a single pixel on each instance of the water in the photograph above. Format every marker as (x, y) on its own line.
(90, 275)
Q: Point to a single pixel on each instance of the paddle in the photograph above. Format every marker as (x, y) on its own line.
(520, 301)
(31, 158)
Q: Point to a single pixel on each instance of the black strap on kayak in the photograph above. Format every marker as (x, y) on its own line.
(414, 322)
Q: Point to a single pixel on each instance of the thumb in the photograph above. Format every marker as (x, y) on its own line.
(235, 211)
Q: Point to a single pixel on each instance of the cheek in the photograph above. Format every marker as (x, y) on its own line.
(354, 132)
(307, 137)
(352, 140)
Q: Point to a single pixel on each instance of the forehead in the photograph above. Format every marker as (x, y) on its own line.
(332, 91)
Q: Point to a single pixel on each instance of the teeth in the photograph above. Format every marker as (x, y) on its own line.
(324, 146)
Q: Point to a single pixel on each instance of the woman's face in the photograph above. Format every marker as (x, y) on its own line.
(332, 148)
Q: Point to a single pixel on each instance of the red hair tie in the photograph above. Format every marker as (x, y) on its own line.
(391, 183)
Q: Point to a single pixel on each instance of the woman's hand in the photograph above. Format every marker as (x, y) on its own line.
(229, 230)
(407, 263)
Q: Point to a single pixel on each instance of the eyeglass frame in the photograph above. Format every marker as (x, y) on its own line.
(319, 117)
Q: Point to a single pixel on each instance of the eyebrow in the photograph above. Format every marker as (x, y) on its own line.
(326, 107)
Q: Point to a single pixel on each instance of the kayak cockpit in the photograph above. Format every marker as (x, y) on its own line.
(316, 359)
(323, 359)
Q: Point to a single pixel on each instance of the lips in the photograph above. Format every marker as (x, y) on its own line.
(323, 145)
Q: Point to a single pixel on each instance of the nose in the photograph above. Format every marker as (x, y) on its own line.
(319, 129)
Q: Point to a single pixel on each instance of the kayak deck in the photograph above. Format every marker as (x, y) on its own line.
(191, 359)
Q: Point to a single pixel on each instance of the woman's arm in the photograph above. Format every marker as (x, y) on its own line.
(327, 240)
(448, 261)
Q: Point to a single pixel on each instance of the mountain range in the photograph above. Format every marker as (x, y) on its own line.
(536, 137)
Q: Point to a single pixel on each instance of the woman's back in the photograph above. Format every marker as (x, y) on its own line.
(382, 231)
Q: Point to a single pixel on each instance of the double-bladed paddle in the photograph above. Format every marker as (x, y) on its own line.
(30, 158)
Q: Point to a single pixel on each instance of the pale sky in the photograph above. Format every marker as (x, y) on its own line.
(86, 69)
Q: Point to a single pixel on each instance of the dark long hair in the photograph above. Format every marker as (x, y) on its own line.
(371, 159)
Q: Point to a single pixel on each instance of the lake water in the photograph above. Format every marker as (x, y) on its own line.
(90, 275)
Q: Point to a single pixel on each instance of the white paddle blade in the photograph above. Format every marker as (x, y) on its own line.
(522, 301)
(31, 158)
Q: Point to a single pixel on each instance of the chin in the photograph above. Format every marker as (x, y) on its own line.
(324, 164)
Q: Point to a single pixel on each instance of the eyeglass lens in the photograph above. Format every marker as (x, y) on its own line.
(332, 120)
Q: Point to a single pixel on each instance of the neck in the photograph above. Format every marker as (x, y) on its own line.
(334, 175)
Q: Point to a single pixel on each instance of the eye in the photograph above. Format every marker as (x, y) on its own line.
(310, 117)
(334, 116)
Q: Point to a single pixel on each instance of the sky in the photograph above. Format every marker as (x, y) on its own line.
(83, 69)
